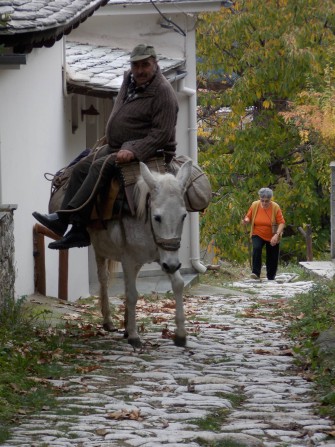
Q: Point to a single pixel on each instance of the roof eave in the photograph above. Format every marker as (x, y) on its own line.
(187, 7)
(25, 42)
(87, 89)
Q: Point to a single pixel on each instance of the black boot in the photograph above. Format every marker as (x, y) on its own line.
(77, 237)
(51, 221)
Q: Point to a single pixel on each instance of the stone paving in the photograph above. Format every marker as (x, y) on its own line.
(237, 371)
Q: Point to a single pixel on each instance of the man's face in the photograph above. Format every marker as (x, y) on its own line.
(144, 70)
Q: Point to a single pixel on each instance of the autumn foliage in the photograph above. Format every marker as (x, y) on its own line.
(267, 118)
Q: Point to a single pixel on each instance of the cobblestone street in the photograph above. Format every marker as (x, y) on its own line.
(237, 370)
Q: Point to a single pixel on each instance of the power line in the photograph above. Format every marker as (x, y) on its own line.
(169, 23)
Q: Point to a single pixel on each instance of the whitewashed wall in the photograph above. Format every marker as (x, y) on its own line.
(34, 128)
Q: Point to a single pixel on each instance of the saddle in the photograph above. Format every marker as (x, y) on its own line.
(118, 200)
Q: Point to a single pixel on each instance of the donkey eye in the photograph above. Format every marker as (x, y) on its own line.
(183, 217)
(158, 219)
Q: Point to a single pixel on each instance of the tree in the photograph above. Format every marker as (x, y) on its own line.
(4, 19)
(265, 56)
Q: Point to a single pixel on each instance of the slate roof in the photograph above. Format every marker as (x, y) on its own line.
(35, 23)
(130, 2)
(32, 24)
(91, 69)
(98, 70)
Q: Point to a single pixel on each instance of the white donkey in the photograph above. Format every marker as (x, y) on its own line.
(153, 235)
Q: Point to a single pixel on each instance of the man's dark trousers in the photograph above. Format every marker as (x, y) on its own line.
(83, 181)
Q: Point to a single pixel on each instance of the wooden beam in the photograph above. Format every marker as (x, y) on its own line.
(308, 238)
(39, 232)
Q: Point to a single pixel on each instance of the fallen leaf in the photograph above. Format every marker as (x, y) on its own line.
(191, 388)
(57, 354)
(101, 431)
(15, 387)
(167, 334)
(39, 380)
(213, 267)
(71, 317)
(262, 352)
(220, 326)
(87, 369)
(125, 414)
(169, 305)
(141, 328)
(158, 319)
(286, 352)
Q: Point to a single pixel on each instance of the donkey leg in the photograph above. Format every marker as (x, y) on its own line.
(103, 275)
(130, 273)
(177, 283)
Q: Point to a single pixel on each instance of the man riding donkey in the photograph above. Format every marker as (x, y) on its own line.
(142, 122)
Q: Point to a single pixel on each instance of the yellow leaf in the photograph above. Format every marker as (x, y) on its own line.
(304, 135)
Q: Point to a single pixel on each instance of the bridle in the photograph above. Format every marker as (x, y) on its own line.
(171, 244)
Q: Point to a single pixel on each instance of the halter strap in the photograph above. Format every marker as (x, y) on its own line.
(171, 244)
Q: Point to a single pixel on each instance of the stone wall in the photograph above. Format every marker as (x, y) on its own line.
(7, 267)
(332, 211)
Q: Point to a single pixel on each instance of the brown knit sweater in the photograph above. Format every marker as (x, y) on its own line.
(146, 123)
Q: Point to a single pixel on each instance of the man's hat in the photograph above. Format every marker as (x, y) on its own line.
(141, 52)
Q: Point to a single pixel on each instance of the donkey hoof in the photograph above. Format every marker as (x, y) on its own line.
(109, 327)
(135, 342)
(180, 341)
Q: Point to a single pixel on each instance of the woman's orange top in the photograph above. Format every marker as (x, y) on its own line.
(263, 221)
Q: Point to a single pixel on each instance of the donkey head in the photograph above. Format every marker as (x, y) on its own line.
(167, 212)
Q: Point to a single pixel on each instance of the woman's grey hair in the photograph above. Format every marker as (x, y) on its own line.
(265, 193)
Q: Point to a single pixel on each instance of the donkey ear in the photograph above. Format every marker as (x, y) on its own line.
(147, 176)
(184, 174)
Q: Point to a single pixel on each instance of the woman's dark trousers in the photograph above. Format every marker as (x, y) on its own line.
(272, 255)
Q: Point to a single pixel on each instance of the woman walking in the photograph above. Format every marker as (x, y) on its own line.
(267, 225)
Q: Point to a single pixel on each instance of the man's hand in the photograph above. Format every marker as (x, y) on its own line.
(124, 156)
